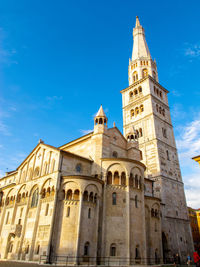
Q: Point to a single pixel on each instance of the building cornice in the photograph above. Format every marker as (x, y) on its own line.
(83, 177)
(142, 80)
(125, 159)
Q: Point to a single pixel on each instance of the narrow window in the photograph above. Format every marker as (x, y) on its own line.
(68, 212)
(113, 250)
(167, 152)
(136, 201)
(86, 249)
(27, 249)
(19, 221)
(47, 209)
(115, 155)
(89, 213)
(137, 252)
(114, 198)
(21, 212)
(10, 247)
(37, 250)
(7, 218)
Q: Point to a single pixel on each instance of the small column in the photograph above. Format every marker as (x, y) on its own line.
(79, 227)
(41, 166)
(33, 166)
(27, 170)
(48, 167)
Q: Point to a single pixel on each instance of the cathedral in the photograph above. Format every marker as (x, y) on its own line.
(105, 197)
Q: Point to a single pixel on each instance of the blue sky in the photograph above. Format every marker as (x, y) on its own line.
(59, 60)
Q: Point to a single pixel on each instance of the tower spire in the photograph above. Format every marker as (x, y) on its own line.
(137, 22)
(140, 48)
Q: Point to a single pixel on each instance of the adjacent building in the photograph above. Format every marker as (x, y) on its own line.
(194, 215)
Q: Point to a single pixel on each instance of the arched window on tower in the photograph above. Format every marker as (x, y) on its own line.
(141, 108)
(100, 121)
(144, 73)
(140, 89)
(137, 111)
(135, 92)
(135, 76)
(132, 113)
(140, 132)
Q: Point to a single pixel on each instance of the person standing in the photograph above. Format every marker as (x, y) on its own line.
(188, 260)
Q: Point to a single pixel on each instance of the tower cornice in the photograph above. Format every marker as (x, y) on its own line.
(142, 80)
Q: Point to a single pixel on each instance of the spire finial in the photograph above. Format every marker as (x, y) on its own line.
(137, 24)
(101, 113)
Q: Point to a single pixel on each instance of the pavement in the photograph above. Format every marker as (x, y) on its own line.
(20, 264)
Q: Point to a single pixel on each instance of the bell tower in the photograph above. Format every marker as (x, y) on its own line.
(100, 121)
(146, 110)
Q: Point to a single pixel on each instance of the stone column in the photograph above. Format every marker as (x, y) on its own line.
(97, 227)
(52, 220)
(79, 227)
(103, 242)
(24, 227)
(128, 219)
(37, 216)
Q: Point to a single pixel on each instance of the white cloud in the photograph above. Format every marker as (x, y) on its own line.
(83, 132)
(54, 98)
(178, 111)
(6, 54)
(192, 51)
(188, 144)
(4, 129)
